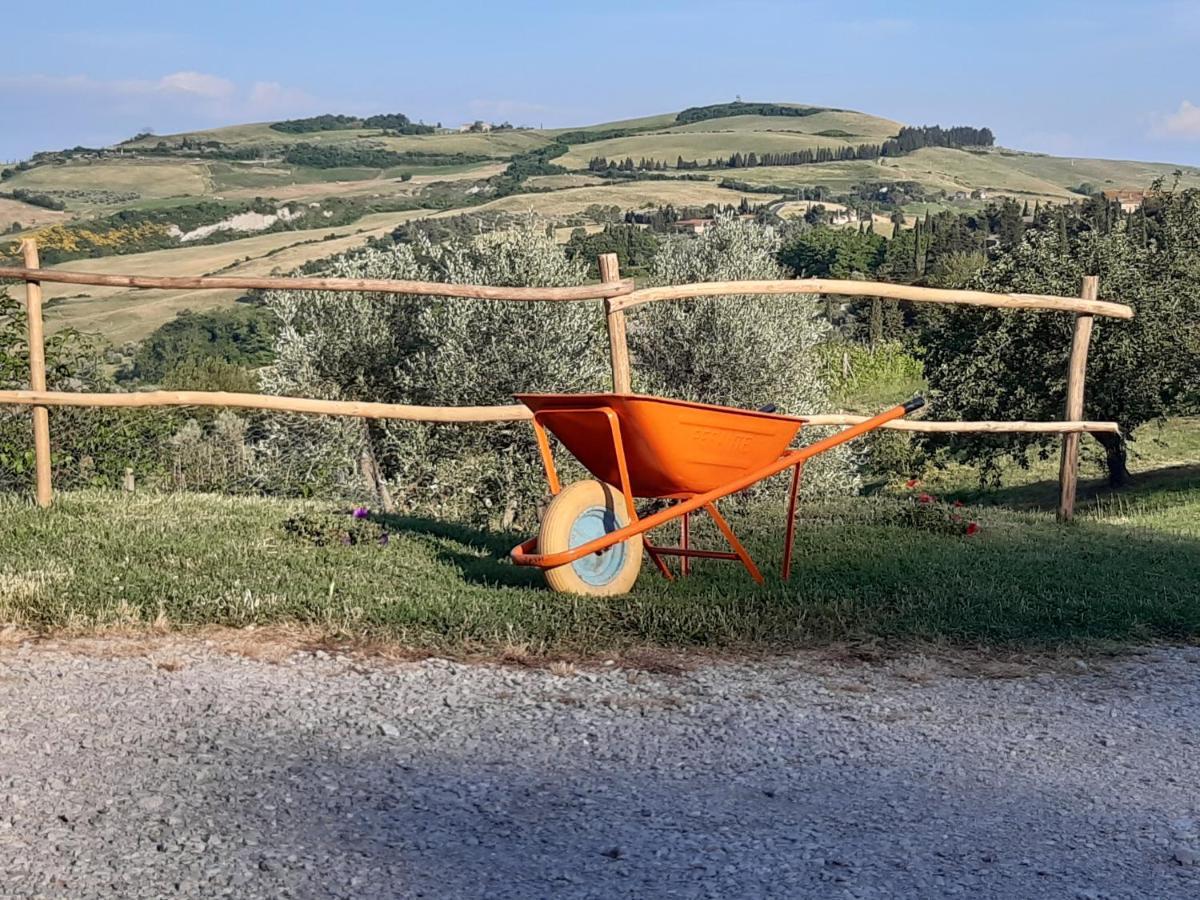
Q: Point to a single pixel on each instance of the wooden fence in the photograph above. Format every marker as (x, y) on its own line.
(619, 296)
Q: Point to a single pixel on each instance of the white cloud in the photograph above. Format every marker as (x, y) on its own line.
(210, 87)
(1184, 122)
(177, 99)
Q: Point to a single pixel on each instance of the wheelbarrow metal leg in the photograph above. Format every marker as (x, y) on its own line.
(734, 542)
(790, 538)
(684, 538)
(543, 443)
(656, 555)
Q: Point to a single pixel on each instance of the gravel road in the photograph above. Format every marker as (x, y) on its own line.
(184, 770)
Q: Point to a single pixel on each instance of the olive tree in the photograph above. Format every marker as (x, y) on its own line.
(434, 351)
(737, 350)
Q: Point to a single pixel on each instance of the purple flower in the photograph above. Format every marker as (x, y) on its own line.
(361, 512)
(383, 539)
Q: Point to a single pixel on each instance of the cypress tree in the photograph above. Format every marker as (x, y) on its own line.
(917, 255)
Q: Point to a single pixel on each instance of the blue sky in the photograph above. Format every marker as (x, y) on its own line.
(1092, 78)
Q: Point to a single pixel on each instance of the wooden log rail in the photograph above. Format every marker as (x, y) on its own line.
(908, 292)
(342, 285)
(467, 414)
(618, 295)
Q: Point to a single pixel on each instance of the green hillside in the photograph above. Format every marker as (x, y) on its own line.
(329, 182)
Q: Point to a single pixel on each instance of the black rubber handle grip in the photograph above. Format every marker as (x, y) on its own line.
(914, 404)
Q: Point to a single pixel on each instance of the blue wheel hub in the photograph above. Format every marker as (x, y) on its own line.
(597, 569)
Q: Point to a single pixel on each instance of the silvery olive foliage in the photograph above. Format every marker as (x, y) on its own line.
(467, 352)
(435, 351)
(738, 350)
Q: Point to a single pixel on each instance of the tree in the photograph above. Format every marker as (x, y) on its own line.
(453, 352)
(738, 351)
(833, 253)
(998, 364)
(635, 247)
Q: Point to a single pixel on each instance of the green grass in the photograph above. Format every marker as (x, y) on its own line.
(1125, 572)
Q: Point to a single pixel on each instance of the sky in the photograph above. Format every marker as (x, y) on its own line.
(1107, 79)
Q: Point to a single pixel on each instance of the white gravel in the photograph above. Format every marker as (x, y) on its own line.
(191, 772)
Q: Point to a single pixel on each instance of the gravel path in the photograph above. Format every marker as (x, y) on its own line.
(185, 771)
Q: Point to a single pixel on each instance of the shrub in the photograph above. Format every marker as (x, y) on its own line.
(89, 446)
(243, 334)
(212, 459)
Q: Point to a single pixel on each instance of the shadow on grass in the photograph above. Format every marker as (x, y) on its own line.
(1165, 486)
(481, 556)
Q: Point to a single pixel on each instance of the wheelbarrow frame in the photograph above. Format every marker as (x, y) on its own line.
(524, 554)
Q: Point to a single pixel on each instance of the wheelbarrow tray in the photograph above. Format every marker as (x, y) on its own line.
(673, 448)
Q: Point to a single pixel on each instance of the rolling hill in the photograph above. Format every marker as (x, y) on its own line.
(344, 185)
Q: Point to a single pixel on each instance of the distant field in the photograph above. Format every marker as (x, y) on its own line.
(26, 215)
(663, 120)
(491, 143)
(863, 129)
(122, 315)
(234, 176)
(1103, 173)
(627, 195)
(943, 169)
(149, 178)
(558, 182)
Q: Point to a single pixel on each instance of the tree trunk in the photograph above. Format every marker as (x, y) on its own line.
(1115, 458)
(372, 473)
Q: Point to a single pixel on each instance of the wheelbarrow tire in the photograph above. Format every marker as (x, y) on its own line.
(580, 513)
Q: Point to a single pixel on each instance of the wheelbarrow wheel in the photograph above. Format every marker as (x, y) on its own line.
(582, 512)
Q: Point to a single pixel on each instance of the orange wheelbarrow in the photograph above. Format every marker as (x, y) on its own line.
(688, 454)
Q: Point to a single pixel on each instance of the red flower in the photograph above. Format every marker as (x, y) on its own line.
(972, 528)
(912, 482)
(958, 503)
(924, 498)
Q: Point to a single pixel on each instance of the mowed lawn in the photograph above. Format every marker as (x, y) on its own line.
(1127, 571)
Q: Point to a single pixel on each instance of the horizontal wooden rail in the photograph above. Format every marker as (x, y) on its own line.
(369, 285)
(143, 399)
(887, 291)
(991, 427)
(511, 413)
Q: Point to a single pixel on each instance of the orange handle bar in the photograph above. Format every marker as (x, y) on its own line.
(522, 557)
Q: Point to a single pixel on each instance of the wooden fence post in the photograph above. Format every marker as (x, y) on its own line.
(37, 376)
(1068, 470)
(610, 270)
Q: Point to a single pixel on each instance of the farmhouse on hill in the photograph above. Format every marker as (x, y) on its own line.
(693, 226)
(1129, 199)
